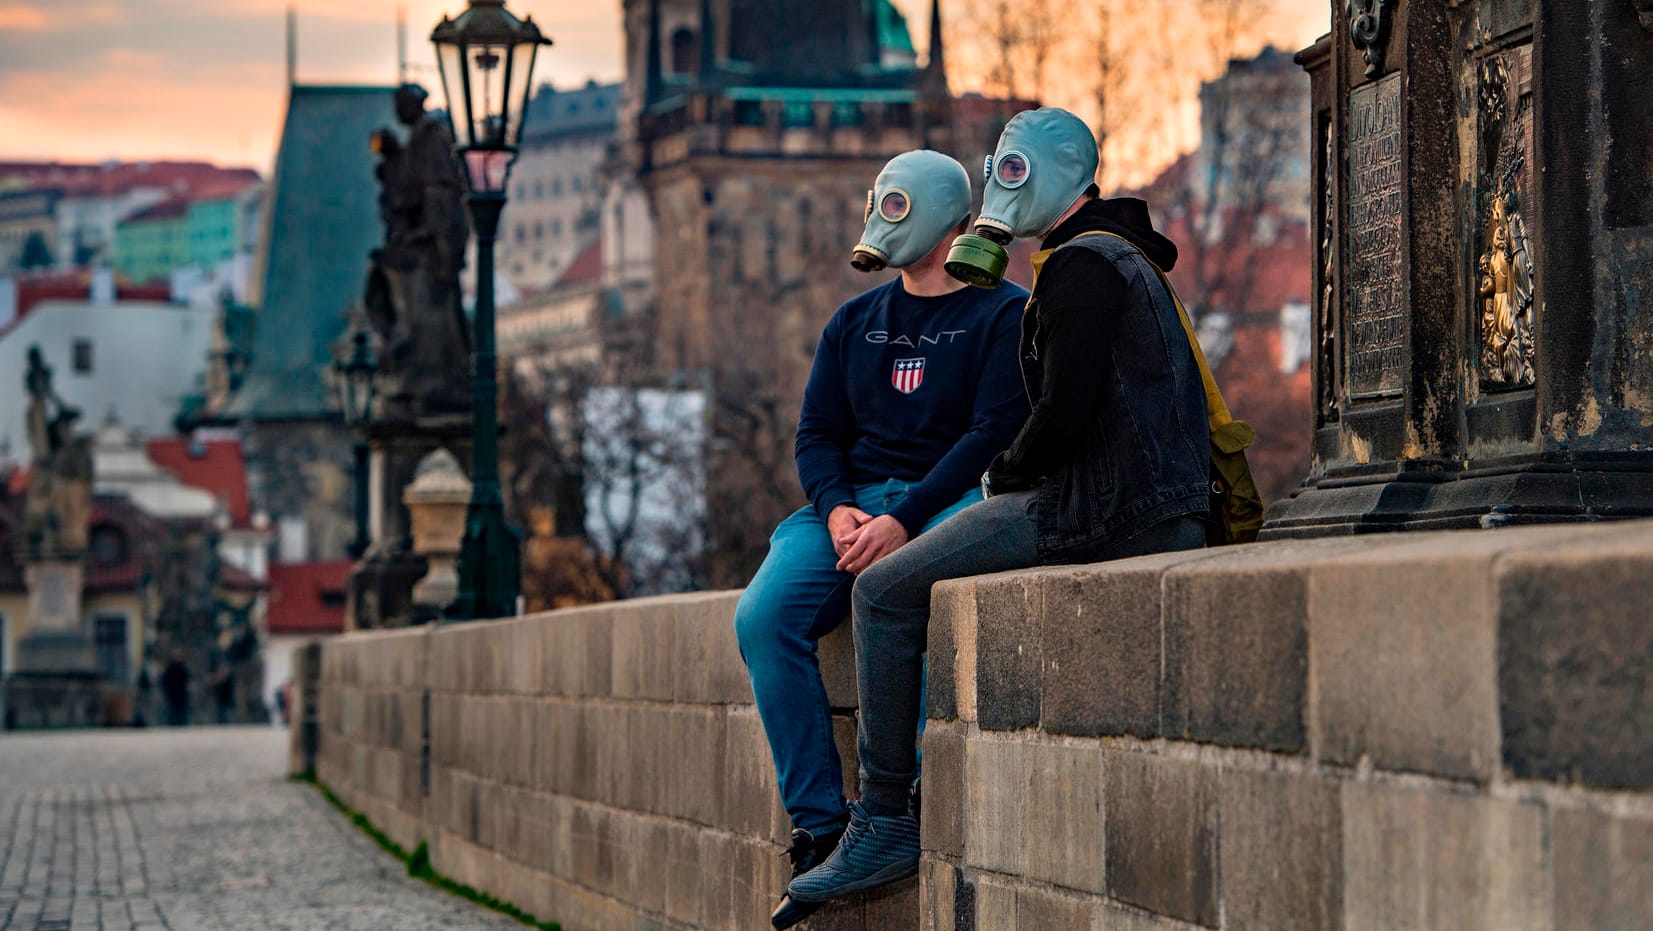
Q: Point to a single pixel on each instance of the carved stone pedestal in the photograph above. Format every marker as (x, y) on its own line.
(1485, 321)
(381, 587)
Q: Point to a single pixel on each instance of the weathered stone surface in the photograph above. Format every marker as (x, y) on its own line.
(577, 645)
(709, 667)
(1236, 646)
(643, 658)
(945, 797)
(1281, 852)
(837, 654)
(1411, 681)
(996, 777)
(1008, 652)
(938, 884)
(1102, 646)
(1603, 869)
(892, 906)
(697, 789)
(1415, 858)
(995, 905)
(681, 873)
(1048, 908)
(749, 770)
(1064, 815)
(1575, 652)
(951, 664)
(1162, 835)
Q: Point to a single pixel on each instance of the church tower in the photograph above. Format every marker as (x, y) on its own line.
(756, 128)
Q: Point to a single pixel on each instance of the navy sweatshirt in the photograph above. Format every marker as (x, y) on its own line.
(920, 389)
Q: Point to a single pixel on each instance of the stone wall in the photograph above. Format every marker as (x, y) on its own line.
(1446, 730)
(602, 767)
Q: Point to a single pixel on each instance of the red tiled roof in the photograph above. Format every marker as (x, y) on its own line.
(215, 466)
(170, 209)
(77, 286)
(308, 598)
(586, 268)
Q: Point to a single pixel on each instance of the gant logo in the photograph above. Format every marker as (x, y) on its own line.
(908, 375)
(883, 337)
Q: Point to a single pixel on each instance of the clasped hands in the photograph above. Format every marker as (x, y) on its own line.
(861, 539)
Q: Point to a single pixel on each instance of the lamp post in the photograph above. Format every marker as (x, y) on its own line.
(486, 59)
(356, 388)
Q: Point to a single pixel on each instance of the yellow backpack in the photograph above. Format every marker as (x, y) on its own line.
(1236, 506)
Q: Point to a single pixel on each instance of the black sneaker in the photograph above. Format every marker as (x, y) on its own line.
(807, 852)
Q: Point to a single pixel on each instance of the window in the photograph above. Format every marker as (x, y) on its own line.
(108, 546)
(83, 356)
(683, 51)
(2, 645)
(556, 187)
(539, 231)
(522, 233)
(539, 188)
(109, 638)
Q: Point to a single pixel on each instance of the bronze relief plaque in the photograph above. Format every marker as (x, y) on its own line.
(1507, 243)
(1375, 308)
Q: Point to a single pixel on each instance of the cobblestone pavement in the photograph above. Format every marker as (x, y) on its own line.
(192, 829)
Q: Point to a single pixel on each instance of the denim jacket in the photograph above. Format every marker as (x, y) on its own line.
(1131, 450)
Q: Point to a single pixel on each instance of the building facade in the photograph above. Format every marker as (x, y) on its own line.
(28, 229)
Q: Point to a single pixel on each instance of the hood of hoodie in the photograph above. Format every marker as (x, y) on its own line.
(1122, 216)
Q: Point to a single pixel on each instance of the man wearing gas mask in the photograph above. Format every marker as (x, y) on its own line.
(1113, 461)
(913, 390)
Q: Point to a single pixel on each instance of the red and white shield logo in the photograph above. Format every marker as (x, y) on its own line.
(908, 375)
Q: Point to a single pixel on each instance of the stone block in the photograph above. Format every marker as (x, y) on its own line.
(995, 903)
(683, 874)
(1161, 847)
(521, 659)
(943, 781)
(710, 670)
(697, 787)
(893, 907)
(1039, 908)
(996, 787)
(643, 657)
(1103, 646)
(749, 770)
(652, 755)
(577, 647)
(1236, 647)
(1008, 653)
(843, 737)
(1409, 681)
(951, 664)
(1281, 852)
(1064, 817)
(837, 656)
(1422, 858)
(938, 882)
(1603, 869)
(1575, 653)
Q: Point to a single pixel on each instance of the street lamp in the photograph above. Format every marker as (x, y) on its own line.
(355, 385)
(486, 58)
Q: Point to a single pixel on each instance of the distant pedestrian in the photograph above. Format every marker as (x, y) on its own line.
(223, 692)
(175, 690)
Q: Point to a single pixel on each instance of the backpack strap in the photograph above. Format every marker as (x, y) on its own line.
(1216, 410)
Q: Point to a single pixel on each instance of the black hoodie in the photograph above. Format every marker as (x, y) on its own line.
(1071, 332)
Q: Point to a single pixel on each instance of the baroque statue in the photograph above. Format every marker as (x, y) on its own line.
(412, 298)
(58, 506)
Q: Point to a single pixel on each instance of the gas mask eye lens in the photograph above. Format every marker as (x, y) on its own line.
(895, 206)
(1012, 170)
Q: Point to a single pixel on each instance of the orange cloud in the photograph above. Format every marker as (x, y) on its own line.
(23, 18)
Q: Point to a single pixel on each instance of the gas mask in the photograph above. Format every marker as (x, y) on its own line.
(918, 198)
(1045, 161)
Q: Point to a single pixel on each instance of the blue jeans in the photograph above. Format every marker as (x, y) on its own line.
(797, 597)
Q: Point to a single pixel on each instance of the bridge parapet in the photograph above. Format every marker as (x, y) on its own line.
(1429, 730)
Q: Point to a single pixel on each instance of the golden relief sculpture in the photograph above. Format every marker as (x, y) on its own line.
(1505, 292)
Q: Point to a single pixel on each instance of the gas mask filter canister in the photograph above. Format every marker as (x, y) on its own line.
(916, 200)
(1045, 161)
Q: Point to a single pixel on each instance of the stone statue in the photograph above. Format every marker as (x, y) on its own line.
(1506, 290)
(59, 502)
(412, 297)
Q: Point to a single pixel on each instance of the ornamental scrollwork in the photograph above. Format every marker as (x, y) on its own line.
(1369, 29)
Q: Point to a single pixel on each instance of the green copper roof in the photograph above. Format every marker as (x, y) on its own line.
(892, 29)
(323, 221)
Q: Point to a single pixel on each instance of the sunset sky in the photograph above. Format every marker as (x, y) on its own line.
(204, 79)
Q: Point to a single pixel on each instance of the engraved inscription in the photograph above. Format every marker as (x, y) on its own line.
(1375, 305)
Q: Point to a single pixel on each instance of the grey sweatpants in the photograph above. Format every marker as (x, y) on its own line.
(891, 608)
